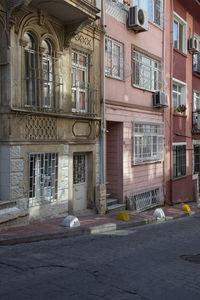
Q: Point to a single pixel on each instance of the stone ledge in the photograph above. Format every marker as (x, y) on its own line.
(11, 213)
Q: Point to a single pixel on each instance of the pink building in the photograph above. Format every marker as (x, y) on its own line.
(183, 76)
(134, 66)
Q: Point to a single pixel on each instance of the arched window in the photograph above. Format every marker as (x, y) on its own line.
(31, 71)
(47, 74)
(41, 82)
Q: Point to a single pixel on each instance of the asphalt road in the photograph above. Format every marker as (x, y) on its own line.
(158, 261)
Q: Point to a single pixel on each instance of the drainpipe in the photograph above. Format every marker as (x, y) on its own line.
(103, 123)
(163, 61)
(171, 114)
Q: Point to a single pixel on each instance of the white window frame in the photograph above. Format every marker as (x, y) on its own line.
(143, 138)
(196, 57)
(77, 89)
(154, 72)
(182, 22)
(149, 7)
(121, 58)
(182, 94)
(177, 145)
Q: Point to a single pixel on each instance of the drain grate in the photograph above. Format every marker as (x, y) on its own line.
(191, 258)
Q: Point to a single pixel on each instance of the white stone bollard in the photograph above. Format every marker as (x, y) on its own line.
(70, 221)
(159, 214)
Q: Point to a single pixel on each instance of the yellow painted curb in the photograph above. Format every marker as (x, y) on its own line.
(186, 207)
(123, 216)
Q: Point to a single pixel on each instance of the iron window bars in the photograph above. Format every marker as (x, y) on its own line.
(147, 72)
(43, 178)
(148, 142)
(43, 86)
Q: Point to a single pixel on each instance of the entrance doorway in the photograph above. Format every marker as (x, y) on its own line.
(114, 159)
(80, 182)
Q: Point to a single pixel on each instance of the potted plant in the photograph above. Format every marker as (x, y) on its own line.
(181, 109)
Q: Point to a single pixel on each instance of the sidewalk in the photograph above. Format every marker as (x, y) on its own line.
(51, 229)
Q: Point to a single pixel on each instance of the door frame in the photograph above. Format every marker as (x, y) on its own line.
(90, 151)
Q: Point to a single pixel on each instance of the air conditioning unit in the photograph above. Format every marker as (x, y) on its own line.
(193, 45)
(137, 19)
(160, 99)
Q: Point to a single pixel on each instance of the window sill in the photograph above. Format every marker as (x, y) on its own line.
(179, 178)
(180, 52)
(179, 115)
(156, 25)
(134, 164)
(141, 88)
(112, 77)
(196, 74)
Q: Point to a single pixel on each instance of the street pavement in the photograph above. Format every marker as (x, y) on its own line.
(89, 224)
(158, 261)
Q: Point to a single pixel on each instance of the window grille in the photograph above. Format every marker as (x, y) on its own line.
(148, 142)
(179, 161)
(43, 178)
(43, 86)
(197, 159)
(79, 81)
(114, 59)
(117, 10)
(145, 200)
(79, 170)
(147, 72)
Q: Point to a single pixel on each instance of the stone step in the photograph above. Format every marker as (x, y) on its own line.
(11, 215)
(7, 204)
(116, 207)
(111, 201)
(107, 196)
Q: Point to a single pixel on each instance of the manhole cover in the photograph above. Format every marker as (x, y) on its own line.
(192, 258)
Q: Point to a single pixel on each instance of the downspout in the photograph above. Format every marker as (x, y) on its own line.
(103, 123)
(163, 60)
(171, 114)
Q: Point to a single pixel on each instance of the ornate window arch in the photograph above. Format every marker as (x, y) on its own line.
(43, 86)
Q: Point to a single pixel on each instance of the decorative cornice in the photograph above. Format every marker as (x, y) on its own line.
(134, 106)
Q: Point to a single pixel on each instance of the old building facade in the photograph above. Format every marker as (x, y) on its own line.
(134, 68)
(50, 106)
(182, 121)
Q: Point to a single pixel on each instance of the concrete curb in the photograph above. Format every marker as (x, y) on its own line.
(73, 232)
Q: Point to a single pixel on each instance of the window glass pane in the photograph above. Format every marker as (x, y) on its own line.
(82, 100)
(157, 11)
(82, 60)
(116, 60)
(108, 57)
(175, 34)
(79, 81)
(47, 69)
(113, 59)
(181, 37)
